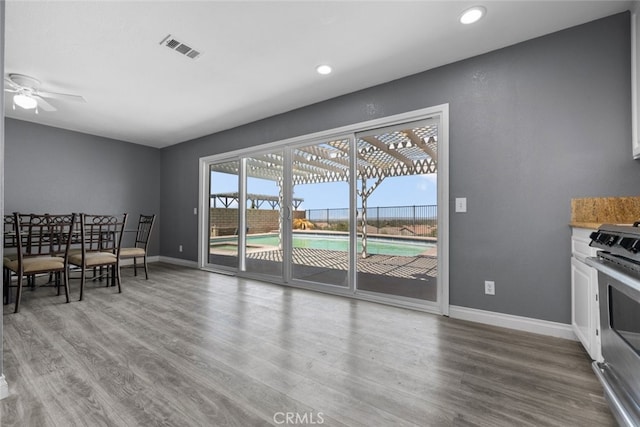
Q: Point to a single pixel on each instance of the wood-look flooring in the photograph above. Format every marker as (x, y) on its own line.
(191, 348)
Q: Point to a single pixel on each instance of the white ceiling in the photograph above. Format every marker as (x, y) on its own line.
(258, 59)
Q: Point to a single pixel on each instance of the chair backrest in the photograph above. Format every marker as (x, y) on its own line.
(10, 229)
(102, 233)
(145, 225)
(41, 235)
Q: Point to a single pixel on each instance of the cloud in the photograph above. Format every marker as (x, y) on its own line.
(427, 182)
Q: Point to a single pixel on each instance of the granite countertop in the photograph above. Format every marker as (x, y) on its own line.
(592, 212)
(589, 225)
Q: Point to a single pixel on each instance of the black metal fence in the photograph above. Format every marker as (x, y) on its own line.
(419, 220)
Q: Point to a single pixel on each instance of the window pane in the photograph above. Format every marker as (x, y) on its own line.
(321, 216)
(264, 213)
(397, 211)
(223, 214)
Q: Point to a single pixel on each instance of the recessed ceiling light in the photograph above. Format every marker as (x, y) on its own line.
(323, 69)
(472, 15)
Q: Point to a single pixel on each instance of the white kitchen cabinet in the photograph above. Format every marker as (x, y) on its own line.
(585, 314)
(635, 79)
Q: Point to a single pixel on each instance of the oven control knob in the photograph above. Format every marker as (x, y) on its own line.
(607, 239)
(630, 244)
(601, 238)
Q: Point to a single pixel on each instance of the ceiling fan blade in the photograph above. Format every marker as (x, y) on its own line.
(44, 104)
(63, 96)
(9, 82)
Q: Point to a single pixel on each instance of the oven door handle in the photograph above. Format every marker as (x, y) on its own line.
(619, 410)
(630, 281)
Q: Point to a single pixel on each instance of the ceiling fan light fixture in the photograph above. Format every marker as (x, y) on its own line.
(472, 15)
(25, 101)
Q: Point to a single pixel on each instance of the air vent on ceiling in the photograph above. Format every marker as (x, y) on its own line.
(175, 44)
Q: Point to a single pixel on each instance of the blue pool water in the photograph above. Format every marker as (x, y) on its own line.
(375, 245)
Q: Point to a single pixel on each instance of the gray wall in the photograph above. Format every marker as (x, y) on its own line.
(2, 4)
(531, 126)
(56, 171)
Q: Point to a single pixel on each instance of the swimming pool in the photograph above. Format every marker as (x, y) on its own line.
(375, 245)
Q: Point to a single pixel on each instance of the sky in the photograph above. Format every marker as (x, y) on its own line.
(394, 191)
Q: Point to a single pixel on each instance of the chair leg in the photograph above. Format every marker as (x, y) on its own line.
(9, 274)
(18, 293)
(66, 284)
(146, 270)
(82, 276)
(116, 273)
(135, 267)
(5, 285)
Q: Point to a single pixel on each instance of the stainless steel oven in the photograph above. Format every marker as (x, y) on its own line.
(618, 265)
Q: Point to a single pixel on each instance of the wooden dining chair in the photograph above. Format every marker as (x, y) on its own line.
(42, 247)
(10, 253)
(100, 239)
(139, 249)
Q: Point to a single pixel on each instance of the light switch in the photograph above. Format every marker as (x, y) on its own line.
(461, 204)
(195, 211)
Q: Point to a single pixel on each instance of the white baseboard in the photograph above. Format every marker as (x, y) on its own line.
(4, 387)
(177, 261)
(527, 324)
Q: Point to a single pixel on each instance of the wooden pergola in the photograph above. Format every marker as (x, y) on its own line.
(397, 152)
(257, 200)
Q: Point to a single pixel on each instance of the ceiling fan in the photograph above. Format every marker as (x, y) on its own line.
(27, 93)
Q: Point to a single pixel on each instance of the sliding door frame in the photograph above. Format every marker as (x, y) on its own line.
(322, 286)
(378, 295)
(439, 111)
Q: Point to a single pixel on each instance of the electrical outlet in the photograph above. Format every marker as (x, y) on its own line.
(180, 248)
(489, 287)
(195, 211)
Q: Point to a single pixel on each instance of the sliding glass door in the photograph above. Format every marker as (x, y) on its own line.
(264, 214)
(397, 211)
(321, 216)
(353, 214)
(221, 233)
